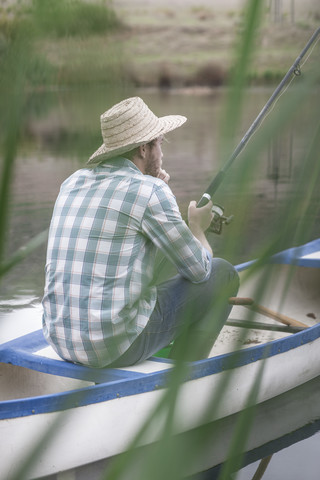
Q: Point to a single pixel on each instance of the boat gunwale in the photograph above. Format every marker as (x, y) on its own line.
(294, 256)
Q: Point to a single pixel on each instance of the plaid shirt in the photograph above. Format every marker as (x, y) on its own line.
(106, 227)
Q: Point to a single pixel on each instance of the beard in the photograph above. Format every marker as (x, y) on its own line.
(152, 167)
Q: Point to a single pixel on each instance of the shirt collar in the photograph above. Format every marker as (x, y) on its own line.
(117, 163)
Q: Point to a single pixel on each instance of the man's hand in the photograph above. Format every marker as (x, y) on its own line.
(163, 175)
(199, 220)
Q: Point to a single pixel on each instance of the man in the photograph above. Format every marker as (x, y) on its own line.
(101, 304)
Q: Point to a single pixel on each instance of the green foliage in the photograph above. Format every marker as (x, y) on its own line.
(266, 77)
(14, 65)
(22, 70)
(18, 57)
(73, 17)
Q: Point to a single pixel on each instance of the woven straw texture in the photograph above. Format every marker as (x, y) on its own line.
(129, 124)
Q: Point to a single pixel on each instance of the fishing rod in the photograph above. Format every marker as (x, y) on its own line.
(293, 71)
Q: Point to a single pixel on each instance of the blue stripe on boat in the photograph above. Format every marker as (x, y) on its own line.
(293, 256)
(21, 351)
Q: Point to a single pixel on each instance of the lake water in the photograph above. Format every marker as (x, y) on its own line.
(63, 130)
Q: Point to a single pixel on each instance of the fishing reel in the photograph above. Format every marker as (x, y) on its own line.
(218, 219)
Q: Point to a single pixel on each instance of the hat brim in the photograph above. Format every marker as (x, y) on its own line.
(164, 125)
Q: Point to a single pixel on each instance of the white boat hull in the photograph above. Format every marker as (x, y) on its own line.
(82, 426)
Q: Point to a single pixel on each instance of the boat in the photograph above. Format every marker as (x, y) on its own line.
(49, 403)
(278, 423)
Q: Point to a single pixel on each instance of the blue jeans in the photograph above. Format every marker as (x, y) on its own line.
(186, 309)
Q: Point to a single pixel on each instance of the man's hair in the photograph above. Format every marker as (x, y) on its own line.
(131, 153)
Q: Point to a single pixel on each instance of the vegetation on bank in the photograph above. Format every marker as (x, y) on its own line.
(92, 43)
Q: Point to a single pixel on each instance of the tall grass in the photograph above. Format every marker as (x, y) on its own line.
(173, 456)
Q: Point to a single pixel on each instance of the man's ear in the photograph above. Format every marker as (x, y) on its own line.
(142, 150)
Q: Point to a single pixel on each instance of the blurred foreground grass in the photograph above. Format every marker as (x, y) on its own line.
(35, 53)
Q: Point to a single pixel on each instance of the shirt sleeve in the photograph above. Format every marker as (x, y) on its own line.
(163, 224)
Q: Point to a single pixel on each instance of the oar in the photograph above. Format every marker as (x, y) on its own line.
(294, 70)
(249, 303)
(249, 325)
(261, 468)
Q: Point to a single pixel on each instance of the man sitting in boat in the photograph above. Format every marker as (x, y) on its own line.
(101, 304)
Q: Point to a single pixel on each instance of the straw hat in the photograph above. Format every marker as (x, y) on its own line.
(129, 124)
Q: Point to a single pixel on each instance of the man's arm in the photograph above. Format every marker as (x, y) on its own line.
(199, 220)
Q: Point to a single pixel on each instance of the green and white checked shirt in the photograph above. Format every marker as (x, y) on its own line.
(106, 227)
